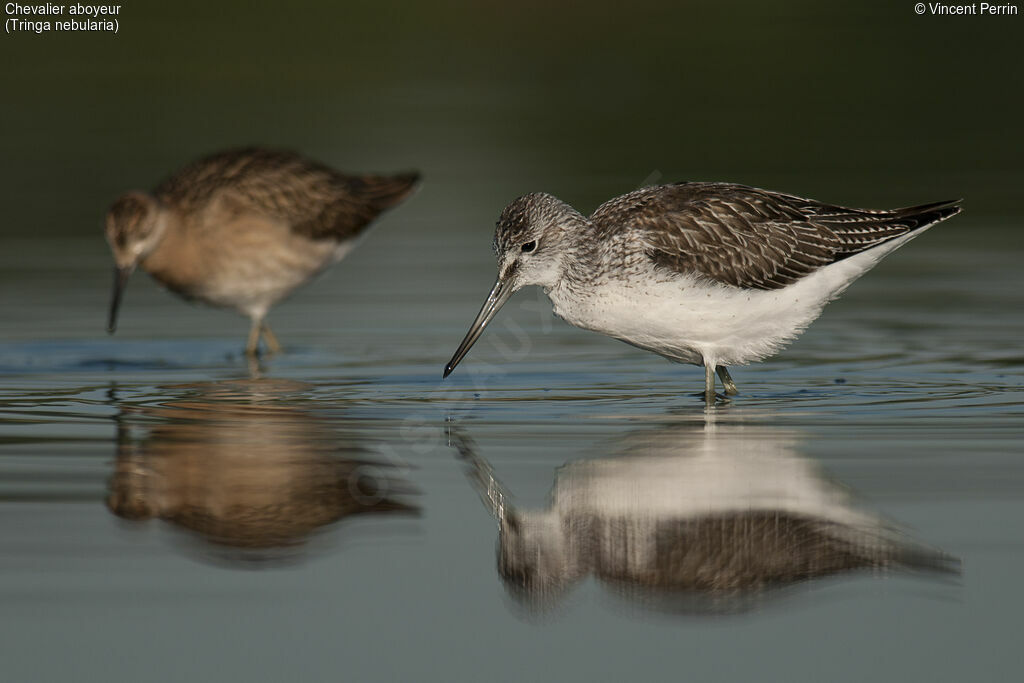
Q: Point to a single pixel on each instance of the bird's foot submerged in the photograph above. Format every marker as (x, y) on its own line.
(727, 383)
(274, 346)
(713, 399)
(709, 383)
(252, 346)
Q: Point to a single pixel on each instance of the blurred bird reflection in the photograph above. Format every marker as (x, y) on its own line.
(247, 474)
(690, 518)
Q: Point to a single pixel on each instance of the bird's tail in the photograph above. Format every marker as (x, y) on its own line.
(927, 214)
(860, 230)
(385, 191)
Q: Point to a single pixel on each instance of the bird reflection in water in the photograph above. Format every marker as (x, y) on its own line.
(698, 519)
(249, 475)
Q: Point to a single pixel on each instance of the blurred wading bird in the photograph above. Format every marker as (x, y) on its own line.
(712, 274)
(244, 228)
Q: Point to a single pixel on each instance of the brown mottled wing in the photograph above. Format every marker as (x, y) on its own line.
(315, 200)
(747, 237)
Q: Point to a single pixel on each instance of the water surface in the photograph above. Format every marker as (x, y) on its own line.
(159, 496)
(169, 513)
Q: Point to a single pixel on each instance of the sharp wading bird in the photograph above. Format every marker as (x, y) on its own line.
(244, 228)
(712, 274)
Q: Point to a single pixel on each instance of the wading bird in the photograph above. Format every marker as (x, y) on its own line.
(711, 274)
(244, 228)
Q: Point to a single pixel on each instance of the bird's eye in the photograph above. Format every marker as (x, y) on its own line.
(530, 246)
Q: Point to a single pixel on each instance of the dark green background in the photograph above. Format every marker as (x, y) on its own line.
(863, 103)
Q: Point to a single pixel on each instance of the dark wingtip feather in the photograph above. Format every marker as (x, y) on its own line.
(932, 206)
(949, 207)
(925, 215)
(387, 191)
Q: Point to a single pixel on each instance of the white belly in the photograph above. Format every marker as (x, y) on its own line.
(692, 320)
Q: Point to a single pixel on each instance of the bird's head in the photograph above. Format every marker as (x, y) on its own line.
(135, 225)
(533, 239)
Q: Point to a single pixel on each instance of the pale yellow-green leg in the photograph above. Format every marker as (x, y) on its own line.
(709, 383)
(271, 339)
(727, 383)
(252, 347)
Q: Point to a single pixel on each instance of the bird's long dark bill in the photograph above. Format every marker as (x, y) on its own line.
(121, 276)
(500, 293)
